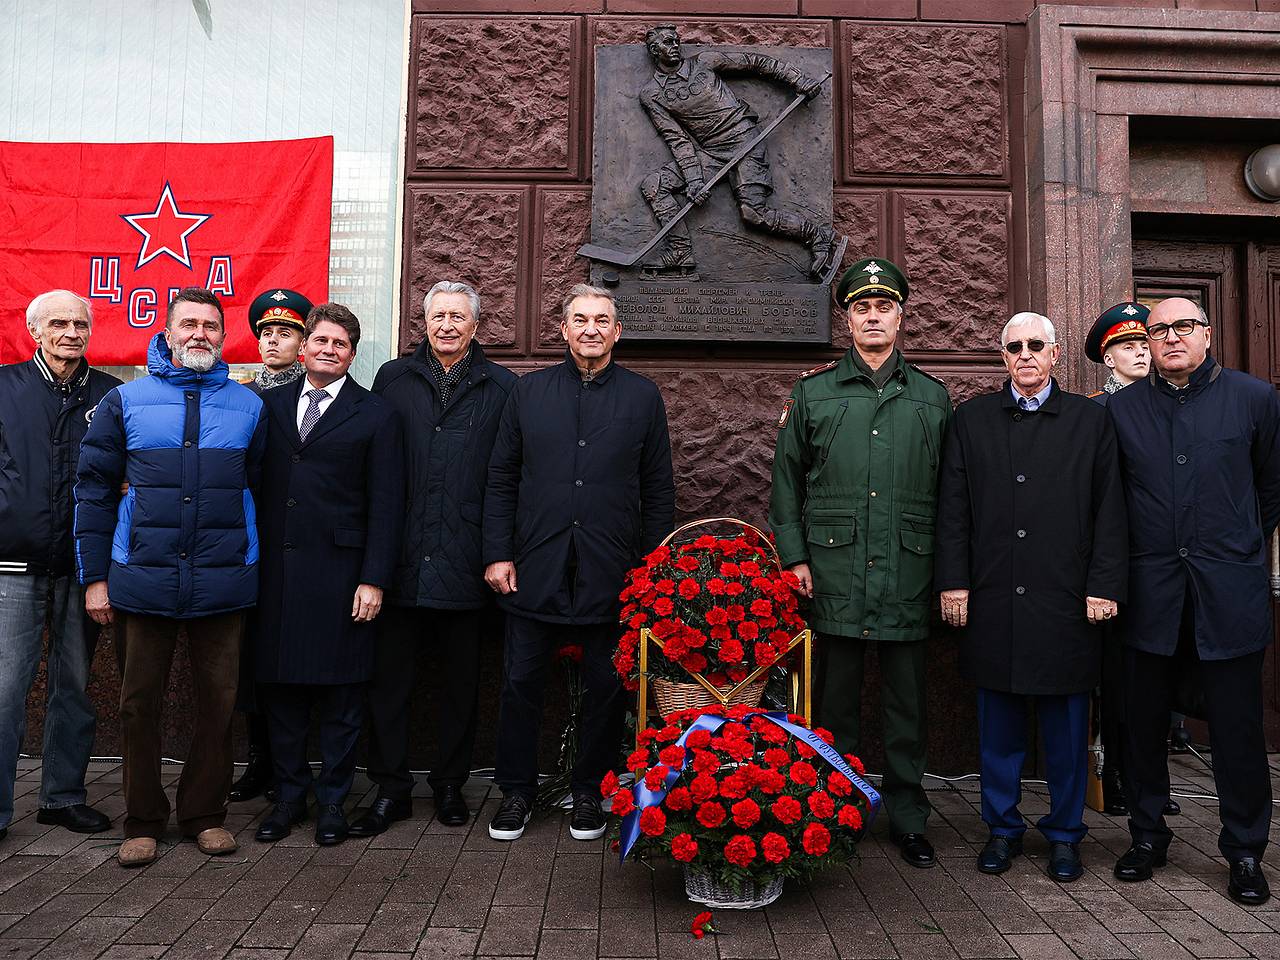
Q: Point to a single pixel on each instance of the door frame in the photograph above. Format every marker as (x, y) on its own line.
(1088, 71)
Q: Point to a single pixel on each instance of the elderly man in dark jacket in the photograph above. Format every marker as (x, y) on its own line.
(178, 548)
(1200, 446)
(332, 499)
(580, 488)
(450, 396)
(46, 404)
(1031, 554)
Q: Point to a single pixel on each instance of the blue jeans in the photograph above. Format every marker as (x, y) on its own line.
(1002, 731)
(69, 719)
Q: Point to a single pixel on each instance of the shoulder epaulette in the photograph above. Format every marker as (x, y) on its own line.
(821, 368)
(926, 373)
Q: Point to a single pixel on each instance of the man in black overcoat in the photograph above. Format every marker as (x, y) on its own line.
(450, 397)
(1200, 446)
(1032, 552)
(331, 508)
(580, 488)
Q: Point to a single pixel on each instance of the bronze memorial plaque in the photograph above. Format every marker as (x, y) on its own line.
(711, 197)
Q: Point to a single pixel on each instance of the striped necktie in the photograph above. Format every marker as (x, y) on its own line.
(312, 415)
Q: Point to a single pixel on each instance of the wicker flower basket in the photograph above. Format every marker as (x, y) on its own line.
(671, 695)
(703, 888)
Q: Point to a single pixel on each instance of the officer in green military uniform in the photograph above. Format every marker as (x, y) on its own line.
(855, 481)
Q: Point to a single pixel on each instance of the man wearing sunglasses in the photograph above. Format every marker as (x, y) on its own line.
(1201, 451)
(1032, 553)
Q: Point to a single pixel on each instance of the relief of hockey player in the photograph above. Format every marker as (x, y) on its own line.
(704, 123)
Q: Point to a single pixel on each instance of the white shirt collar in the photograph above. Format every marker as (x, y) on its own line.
(332, 389)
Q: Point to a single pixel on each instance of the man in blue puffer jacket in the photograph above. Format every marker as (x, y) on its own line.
(179, 547)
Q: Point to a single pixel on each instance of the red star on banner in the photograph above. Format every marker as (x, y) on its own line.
(166, 230)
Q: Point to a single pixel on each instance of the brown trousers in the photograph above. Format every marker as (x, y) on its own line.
(144, 648)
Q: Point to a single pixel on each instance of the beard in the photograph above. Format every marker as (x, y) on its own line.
(201, 361)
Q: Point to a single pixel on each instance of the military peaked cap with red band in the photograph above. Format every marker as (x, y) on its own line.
(1124, 321)
(279, 305)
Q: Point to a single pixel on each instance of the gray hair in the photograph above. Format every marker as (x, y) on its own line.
(587, 290)
(34, 308)
(1018, 319)
(453, 286)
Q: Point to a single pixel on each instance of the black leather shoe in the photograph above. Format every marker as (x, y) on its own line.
(256, 779)
(1064, 862)
(4, 832)
(451, 808)
(79, 818)
(1172, 808)
(381, 815)
(1138, 861)
(997, 856)
(915, 849)
(331, 825)
(279, 823)
(1247, 884)
(1114, 803)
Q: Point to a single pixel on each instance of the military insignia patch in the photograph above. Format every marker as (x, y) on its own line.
(786, 412)
(279, 295)
(1130, 310)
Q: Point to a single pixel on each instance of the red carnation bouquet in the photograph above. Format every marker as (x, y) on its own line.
(753, 803)
(720, 608)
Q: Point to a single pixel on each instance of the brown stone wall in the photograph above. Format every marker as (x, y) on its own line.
(927, 172)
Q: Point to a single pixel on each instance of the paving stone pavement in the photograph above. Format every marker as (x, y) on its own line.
(427, 891)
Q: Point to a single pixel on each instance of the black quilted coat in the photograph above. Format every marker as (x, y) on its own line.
(447, 448)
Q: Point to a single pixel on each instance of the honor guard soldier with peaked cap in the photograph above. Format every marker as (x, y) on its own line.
(1118, 340)
(277, 317)
(855, 481)
(278, 305)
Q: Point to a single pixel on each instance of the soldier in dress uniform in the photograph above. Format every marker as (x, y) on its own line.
(1118, 341)
(855, 484)
(277, 318)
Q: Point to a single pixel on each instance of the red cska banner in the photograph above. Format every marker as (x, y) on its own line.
(127, 225)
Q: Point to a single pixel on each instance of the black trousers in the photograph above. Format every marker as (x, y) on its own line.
(529, 648)
(1233, 702)
(289, 707)
(452, 640)
(1111, 709)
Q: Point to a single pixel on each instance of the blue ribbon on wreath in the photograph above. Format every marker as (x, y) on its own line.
(711, 722)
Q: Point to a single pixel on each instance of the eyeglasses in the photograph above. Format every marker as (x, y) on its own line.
(1035, 346)
(1183, 328)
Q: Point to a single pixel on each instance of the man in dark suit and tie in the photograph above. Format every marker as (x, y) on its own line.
(332, 508)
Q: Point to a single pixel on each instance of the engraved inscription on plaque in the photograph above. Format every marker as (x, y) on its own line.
(656, 310)
(747, 257)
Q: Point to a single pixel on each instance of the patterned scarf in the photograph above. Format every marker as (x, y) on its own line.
(1113, 385)
(266, 379)
(447, 380)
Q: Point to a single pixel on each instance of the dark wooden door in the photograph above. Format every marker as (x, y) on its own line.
(1237, 283)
